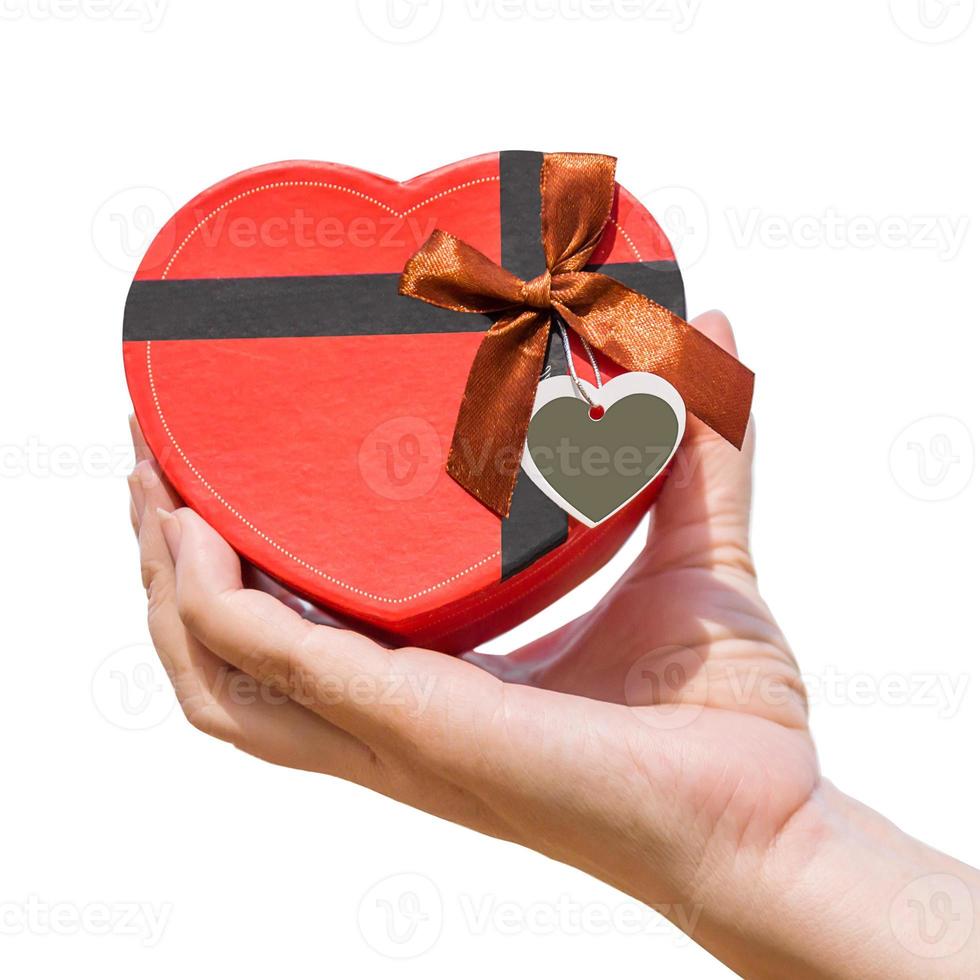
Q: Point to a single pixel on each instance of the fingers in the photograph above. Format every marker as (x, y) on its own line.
(206, 625)
(320, 667)
(427, 729)
(216, 698)
(422, 727)
(159, 580)
(411, 703)
(146, 470)
(707, 498)
(139, 442)
(717, 327)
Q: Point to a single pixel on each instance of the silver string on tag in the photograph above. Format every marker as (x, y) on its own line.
(571, 364)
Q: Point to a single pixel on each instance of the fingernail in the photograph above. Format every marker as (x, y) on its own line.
(136, 493)
(171, 531)
(147, 475)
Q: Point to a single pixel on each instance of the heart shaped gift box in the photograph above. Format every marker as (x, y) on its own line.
(305, 409)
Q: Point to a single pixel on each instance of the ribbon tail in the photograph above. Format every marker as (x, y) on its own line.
(491, 427)
(719, 387)
(641, 335)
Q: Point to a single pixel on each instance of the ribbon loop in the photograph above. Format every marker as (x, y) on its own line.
(448, 272)
(577, 194)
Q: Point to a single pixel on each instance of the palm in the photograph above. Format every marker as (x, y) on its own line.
(685, 639)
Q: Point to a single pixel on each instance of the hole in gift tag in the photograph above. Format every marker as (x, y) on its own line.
(596, 412)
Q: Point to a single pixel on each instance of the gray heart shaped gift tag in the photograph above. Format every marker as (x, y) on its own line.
(593, 459)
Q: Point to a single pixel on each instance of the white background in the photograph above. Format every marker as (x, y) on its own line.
(816, 166)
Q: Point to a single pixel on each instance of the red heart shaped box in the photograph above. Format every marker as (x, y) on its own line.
(313, 435)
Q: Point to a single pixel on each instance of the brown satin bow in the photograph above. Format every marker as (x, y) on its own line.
(631, 329)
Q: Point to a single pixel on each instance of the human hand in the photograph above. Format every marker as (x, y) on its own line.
(659, 742)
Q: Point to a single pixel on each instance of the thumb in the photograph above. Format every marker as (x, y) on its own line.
(705, 505)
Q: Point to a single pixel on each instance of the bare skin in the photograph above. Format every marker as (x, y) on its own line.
(659, 742)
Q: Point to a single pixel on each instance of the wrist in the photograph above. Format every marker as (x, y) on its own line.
(844, 893)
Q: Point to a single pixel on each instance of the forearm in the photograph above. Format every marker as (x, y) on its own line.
(843, 893)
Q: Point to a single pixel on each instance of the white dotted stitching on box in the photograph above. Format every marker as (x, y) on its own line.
(629, 241)
(275, 544)
(217, 496)
(323, 186)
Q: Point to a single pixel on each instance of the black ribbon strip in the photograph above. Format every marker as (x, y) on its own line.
(535, 525)
(323, 306)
